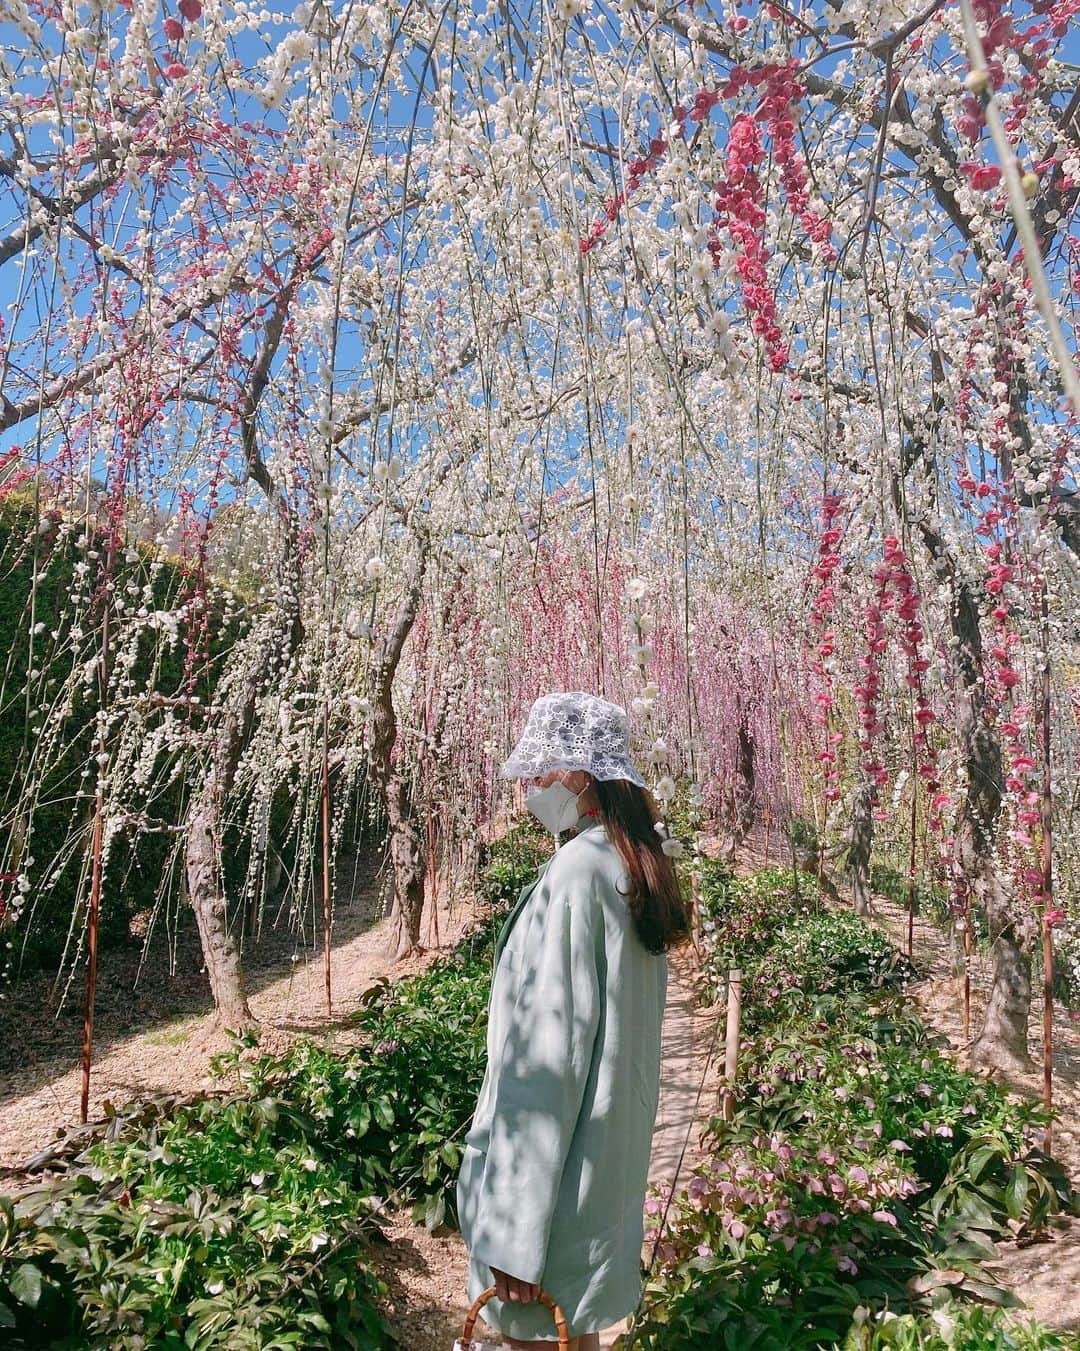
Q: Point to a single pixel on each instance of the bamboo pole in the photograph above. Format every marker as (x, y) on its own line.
(967, 965)
(695, 915)
(91, 946)
(911, 878)
(731, 1042)
(432, 881)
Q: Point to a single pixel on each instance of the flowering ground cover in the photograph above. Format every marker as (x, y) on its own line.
(861, 1170)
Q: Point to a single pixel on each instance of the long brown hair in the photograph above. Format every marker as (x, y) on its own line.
(656, 904)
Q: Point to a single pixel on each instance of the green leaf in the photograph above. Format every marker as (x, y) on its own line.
(25, 1284)
(1016, 1192)
(979, 1159)
(434, 1211)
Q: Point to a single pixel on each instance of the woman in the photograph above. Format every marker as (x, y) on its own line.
(553, 1177)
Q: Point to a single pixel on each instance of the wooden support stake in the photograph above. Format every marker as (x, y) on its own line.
(731, 1043)
(695, 915)
(91, 942)
(93, 918)
(768, 826)
(967, 969)
(911, 881)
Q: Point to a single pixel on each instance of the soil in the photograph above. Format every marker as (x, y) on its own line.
(153, 1030)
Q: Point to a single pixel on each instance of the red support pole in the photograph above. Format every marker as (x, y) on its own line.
(93, 918)
(1046, 813)
(326, 855)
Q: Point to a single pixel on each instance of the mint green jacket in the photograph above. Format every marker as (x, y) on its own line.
(553, 1177)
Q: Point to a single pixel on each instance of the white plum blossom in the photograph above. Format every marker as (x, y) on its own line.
(637, 588)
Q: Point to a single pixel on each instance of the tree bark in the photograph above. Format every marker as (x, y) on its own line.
(744, 789)
(860, 844)
(1002, 1041)
(221, 951)
(408, 859)
(406, 843)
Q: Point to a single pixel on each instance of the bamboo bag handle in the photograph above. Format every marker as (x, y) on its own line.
(543, 1298)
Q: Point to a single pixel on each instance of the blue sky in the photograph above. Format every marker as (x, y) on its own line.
(402, 109)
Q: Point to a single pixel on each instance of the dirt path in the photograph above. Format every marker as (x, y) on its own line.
(170, 1052)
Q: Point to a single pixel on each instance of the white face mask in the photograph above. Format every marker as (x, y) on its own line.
(555, 807)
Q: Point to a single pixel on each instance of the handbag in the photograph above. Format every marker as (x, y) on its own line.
(465, 1341)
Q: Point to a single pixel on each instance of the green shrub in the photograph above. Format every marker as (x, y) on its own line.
(37, 746)
(509, 863)
(861, 1166)
(240, 1220)
(394, 1109)
(219, 1227)
(739, 917)
(767, 926)
(864, 1067)
(955, 1329)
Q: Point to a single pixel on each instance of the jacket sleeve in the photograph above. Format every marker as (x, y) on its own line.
(545, 1064)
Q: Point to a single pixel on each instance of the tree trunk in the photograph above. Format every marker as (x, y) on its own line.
(408, 860)
(744, 789)
(860, 844)
(220, 949)
(405, 842)
(1002, 1040)
(230, 731)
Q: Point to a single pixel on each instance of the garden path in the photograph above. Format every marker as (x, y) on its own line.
(157, 1038)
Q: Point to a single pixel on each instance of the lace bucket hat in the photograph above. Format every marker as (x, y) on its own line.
(574, 731)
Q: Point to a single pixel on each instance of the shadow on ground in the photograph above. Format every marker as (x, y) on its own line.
(41, 1028)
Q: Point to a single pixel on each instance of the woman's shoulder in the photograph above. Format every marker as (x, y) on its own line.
(588, 859)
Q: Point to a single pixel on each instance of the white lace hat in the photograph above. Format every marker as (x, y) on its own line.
(574, 731)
